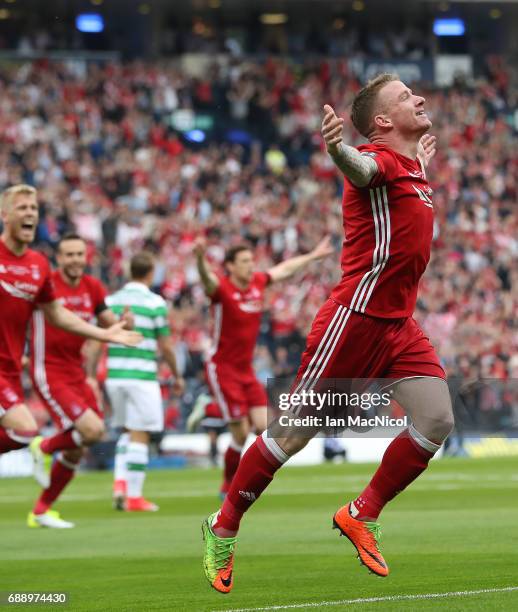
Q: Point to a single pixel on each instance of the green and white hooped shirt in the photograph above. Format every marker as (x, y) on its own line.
(150, 313)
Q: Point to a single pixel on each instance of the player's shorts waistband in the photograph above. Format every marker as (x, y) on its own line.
(370, 316)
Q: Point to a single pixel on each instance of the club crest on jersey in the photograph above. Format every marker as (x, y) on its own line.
(252, 306)
(35, 272)
(424, 194)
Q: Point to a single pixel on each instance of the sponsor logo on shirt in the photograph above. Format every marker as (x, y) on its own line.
(16, 292)
(36, 275)
(16, 269)
(30, 287)
(75, 409)
(424, 194)
(252, 306)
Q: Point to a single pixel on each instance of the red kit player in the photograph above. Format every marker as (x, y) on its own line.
(60, 379)
(237, 303)
(365, 329)
(25, 285)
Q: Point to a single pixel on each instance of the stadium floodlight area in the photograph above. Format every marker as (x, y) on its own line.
(90, 23)
(449, 27)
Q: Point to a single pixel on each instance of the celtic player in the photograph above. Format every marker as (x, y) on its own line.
(132, 383)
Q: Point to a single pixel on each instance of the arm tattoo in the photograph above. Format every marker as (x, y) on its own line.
(358, 168)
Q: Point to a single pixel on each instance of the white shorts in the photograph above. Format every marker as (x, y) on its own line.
(136, 404)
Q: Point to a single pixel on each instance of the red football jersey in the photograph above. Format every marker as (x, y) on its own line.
(388, 228)
(237, 317)
(55, 350)
(25, 282)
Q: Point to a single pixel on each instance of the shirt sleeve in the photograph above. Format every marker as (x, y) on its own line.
(162, 321)
(217, 296)
(99, 294)
(46, 293)
(263, 279)
(387, 166)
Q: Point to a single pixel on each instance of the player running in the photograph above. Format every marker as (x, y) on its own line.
(365, 329)
(25, 284)
(58, 376)
(237, 304)
(132, 383)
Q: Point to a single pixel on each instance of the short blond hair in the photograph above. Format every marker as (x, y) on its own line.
(7, 197)
(364, 103)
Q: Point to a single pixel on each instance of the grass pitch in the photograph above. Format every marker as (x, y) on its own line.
(455, 529)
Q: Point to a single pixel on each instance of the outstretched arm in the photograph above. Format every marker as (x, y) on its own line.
(59, 316)
(208, 279)
(358, 168)
(289, 267)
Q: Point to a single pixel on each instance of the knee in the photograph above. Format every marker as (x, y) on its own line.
(440, 427)
(447, 424)
(239, 433)
(240, 438)
(92, 432)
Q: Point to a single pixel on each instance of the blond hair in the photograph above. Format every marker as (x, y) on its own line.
(7, 196)
(364, 103)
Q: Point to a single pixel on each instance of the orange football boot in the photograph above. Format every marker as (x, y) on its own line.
(139, 504)
(365, 537)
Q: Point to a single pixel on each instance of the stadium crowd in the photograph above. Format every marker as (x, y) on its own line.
(100, 148)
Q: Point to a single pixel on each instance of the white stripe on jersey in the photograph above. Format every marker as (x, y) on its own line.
(132, 363)
(382, 201)
(148, 344)
(375, 255)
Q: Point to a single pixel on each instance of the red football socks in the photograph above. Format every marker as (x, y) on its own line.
(255, 472)
(64, 440)
(231, 463)
(60, 476)
(404, 460)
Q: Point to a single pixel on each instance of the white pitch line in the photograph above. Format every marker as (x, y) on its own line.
(365, 600)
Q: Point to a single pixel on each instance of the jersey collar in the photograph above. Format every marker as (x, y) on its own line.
(136, 285)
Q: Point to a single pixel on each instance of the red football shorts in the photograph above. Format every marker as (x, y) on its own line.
(236, 391)
(345, 344)
(65, 402)
(11, 393)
